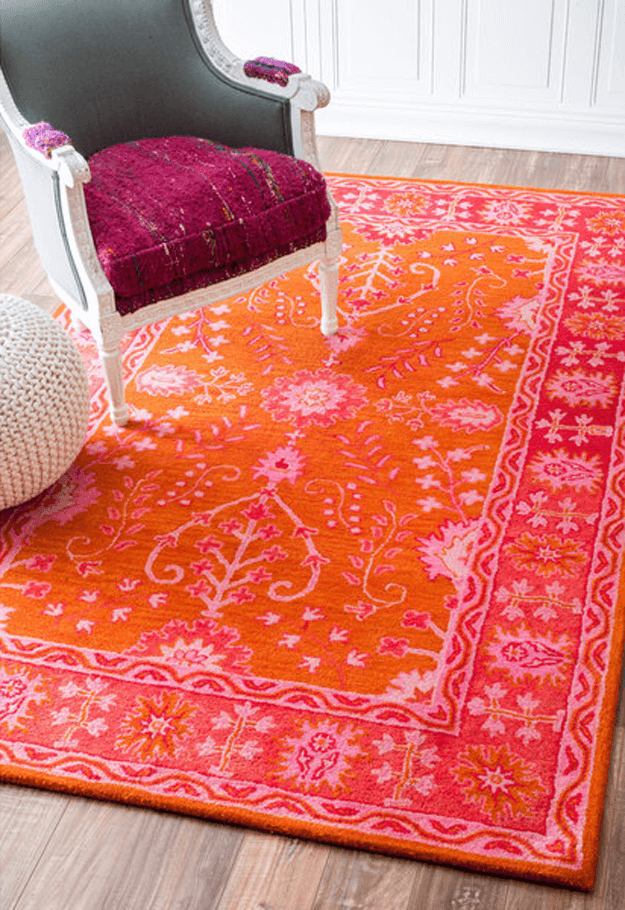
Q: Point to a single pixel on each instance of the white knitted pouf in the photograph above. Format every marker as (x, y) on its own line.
(44, 400)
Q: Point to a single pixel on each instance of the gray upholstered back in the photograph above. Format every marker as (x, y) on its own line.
(108, 71)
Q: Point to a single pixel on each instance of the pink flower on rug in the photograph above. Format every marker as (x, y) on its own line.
(319, 398)
(559, 469)
(499, 783)
(448, 551)
(320, 756)
(610, 222)
(470, 416)
(415, 620)
(521, 313)
(580, 387)
(18, 691)
(191, 656)
(601, 326)
(41, 563)
(602, 272)
(406, 204)
(347, 337)
(547, 554)
(506, 211)
(167, 380)
(388, 232)
(196, 648)
(286, 463)
(156, 726)
(404, 686)
(36, 589)
(71, 495)
(395, 647)
(522, 654)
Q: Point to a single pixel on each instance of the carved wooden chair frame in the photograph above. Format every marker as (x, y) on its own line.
(98, 311)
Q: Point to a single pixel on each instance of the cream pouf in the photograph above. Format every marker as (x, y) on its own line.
(44, 400)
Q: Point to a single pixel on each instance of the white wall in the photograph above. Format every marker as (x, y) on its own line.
(531, 74)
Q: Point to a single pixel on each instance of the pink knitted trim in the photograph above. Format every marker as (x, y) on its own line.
(44, 138)
(269, 69)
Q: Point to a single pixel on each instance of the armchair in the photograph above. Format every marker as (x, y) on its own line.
(186, 181)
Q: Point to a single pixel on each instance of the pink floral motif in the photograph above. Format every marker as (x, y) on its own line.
(156, 726)
(347, 337)
(286, 463)
(36, 588)
(547, 554)
(581, 387)
(448, 552)
(466, 415)
(391, 231)
(406, 205)
(611, 222)
(71, 495)
(602, 272)
(522, 654)
(499, 783)
(19, 690)
(506, 211)
(395, 647)
(314, 398)
(167, 380)
(201, 647)
(521, 313)
(40, 563)
(415, 620)
(319, 757)
(602, 326)
(559, 469)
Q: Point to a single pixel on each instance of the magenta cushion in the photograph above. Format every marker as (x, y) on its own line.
(172, 215)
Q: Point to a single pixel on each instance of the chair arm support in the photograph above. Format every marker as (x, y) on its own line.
(65, 160)
(53, 188)
(304, 94)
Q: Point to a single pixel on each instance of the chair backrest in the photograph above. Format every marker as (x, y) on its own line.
(109, 71)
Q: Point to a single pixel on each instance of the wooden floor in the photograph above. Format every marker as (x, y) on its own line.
(66, 853)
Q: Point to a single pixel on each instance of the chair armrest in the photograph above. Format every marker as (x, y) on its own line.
(65, 160)
(53, 189)
(304, 94)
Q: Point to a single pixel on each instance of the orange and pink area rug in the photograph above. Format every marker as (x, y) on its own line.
(364, 589)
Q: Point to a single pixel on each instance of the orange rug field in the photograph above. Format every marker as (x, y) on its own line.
(364, 589)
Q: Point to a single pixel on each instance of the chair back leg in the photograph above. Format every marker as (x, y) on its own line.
(111, 359)
(329, 281)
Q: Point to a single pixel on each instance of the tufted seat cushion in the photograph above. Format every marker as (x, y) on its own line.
(172, 215)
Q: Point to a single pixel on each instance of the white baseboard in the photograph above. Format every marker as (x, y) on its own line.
(453, 124)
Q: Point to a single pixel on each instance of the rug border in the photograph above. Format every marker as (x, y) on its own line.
(462, 183)
(582, 878)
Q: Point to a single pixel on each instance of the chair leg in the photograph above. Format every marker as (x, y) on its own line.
(111, 359)
(329, 282)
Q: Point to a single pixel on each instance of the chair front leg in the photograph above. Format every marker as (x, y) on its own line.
(329, 281)
(111, 359)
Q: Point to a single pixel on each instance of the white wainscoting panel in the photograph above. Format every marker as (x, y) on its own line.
(610, 83)
(385, 48)
(530, 74)
(514, 50)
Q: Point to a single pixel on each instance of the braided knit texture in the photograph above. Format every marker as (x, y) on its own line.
(44, 401)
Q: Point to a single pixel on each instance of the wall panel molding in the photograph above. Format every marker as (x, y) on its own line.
(539, 74)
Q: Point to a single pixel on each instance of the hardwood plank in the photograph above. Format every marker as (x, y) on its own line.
(29, 821)
(496, 166)
(274, 873)
(356, 880)
(110, 857)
